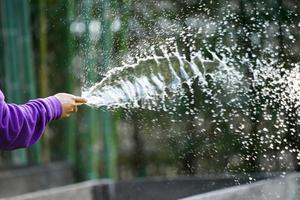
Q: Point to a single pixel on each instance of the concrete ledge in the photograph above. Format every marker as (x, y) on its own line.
(28, 179)
(279, 188)
(89, 190)
(159, 188)
(178, 187)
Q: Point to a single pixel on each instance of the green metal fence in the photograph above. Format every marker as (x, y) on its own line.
(27, 74)
(18, 71)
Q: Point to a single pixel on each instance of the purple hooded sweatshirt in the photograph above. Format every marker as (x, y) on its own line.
(22, 125)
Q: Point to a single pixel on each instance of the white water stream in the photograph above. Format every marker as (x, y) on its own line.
(154, 78)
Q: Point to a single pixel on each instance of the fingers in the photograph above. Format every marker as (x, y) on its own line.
(79, 100)
(70, 103)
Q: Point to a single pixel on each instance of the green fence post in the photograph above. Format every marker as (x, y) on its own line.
(43, 79)
(89, 155)
(109, 132)
(66, 141)
(70, 134)
(12, 63)
(29, 81)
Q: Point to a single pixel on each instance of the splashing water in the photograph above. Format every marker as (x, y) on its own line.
(152, 79)
(159, 76)
(248, 94)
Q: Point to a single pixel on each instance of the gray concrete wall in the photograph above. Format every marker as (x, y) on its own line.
(73, 193)
(280, 189)
(90, 190)
(179, 187)
(23, 180)
(159, 189)
(167, 189)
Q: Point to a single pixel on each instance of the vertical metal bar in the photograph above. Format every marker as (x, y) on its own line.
(29, 75)
(139, 160)
(70, 134)
(43, 69)
(1, 53)
(4, 41)
(89, 156)
(11, 62)
(109, 139)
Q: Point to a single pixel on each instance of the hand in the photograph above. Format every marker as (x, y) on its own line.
(69, 103)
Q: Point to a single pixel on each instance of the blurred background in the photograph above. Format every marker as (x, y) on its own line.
(51, 46)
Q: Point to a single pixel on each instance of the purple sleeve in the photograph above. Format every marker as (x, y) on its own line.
(22, 125)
